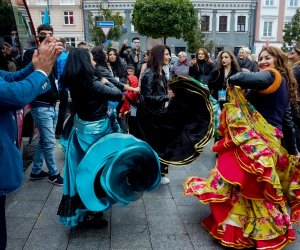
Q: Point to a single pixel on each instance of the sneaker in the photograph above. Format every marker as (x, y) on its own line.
(56, 180)
(39, 176)
(164, 180)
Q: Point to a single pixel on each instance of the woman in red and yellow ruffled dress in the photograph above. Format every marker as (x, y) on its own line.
(255, 180)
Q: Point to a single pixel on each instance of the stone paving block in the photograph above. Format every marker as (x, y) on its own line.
(87, 239)
(160, 207)
(15, 244)
(47, 217)
(176, 186)
(205, 242)
(181, 199)
(24, 208)
(176, 174)
(19, 228)
(55, 195)
(130, 237)
(162, 191)
(193, 214)
(48, 238)
(161, 224)
(131, 214)
(34, 190)
(174, 242)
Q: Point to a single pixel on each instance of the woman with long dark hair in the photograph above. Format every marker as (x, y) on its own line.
(154, 89)
(174, 117)
(118, 69)
(255, 179)
(99, 57)
(90, 93)
(227, 66)
(200, 66)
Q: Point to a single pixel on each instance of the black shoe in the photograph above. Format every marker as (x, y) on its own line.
(39, 176)
(95, 222)
(56, 180)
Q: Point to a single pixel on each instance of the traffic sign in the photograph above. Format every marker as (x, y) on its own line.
(105, 26)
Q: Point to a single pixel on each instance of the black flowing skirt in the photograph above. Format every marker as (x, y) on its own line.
(179, 132)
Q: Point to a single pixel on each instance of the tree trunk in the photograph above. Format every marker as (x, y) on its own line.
(165, 40)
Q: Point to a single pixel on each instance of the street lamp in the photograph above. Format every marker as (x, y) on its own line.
(252, 16)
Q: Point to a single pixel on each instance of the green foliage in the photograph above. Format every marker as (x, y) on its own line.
(196, 39)
(292, 31)
(96, 33)
(6, 18)
(163, 18)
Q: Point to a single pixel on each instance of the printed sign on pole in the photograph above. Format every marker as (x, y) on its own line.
(105, 26)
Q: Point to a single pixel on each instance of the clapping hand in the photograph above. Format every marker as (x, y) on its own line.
(45, 56)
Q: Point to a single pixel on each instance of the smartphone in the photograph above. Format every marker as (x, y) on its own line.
(193, 57)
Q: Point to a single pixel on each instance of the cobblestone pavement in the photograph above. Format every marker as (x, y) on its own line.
(163, 219)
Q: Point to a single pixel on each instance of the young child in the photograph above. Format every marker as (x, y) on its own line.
(131, 98)
(130, 70)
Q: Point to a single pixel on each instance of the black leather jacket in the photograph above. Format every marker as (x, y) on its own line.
(90, 101)
(154, 90)
(128, 54)
(288, 130)
(252, 80)
(108, 75)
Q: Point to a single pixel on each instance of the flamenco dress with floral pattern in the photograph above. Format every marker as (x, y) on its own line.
(253, 183)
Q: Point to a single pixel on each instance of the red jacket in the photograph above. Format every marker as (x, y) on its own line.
(131, 97)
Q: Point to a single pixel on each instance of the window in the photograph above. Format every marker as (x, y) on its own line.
(42, 2)
(42, 16)
(267, 29)
(69, 17)
(70, 41)
(241, 24)
(293, 3)
(223, 24)
(67, 2)
(269, 2)
(204, 23)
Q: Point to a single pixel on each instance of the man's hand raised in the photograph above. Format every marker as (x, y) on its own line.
(45, 56)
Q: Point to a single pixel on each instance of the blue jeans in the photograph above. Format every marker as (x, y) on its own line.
(45, 119)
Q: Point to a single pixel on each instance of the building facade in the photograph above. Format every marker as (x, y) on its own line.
(66, 17)
(271, 17)
(229, 24)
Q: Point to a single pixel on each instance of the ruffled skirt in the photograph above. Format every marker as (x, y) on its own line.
(253, 183)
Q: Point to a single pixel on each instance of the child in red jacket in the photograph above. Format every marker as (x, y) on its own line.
(131, 97)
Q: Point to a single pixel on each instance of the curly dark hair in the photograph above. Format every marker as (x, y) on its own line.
(99, 56)
(281, 64)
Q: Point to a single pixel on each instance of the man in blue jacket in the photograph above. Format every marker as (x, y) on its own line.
(16, 90)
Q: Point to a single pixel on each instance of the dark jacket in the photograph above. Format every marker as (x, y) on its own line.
(289, 132)
(154, 90)
(90, 101)
(128, 55)
(51, 96)
(217, 81)
(16, 90)
(271, 106)
(248, 64)
(108, 75)
(200, 69)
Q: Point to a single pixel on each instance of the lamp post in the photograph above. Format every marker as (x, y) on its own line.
(252, 16)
